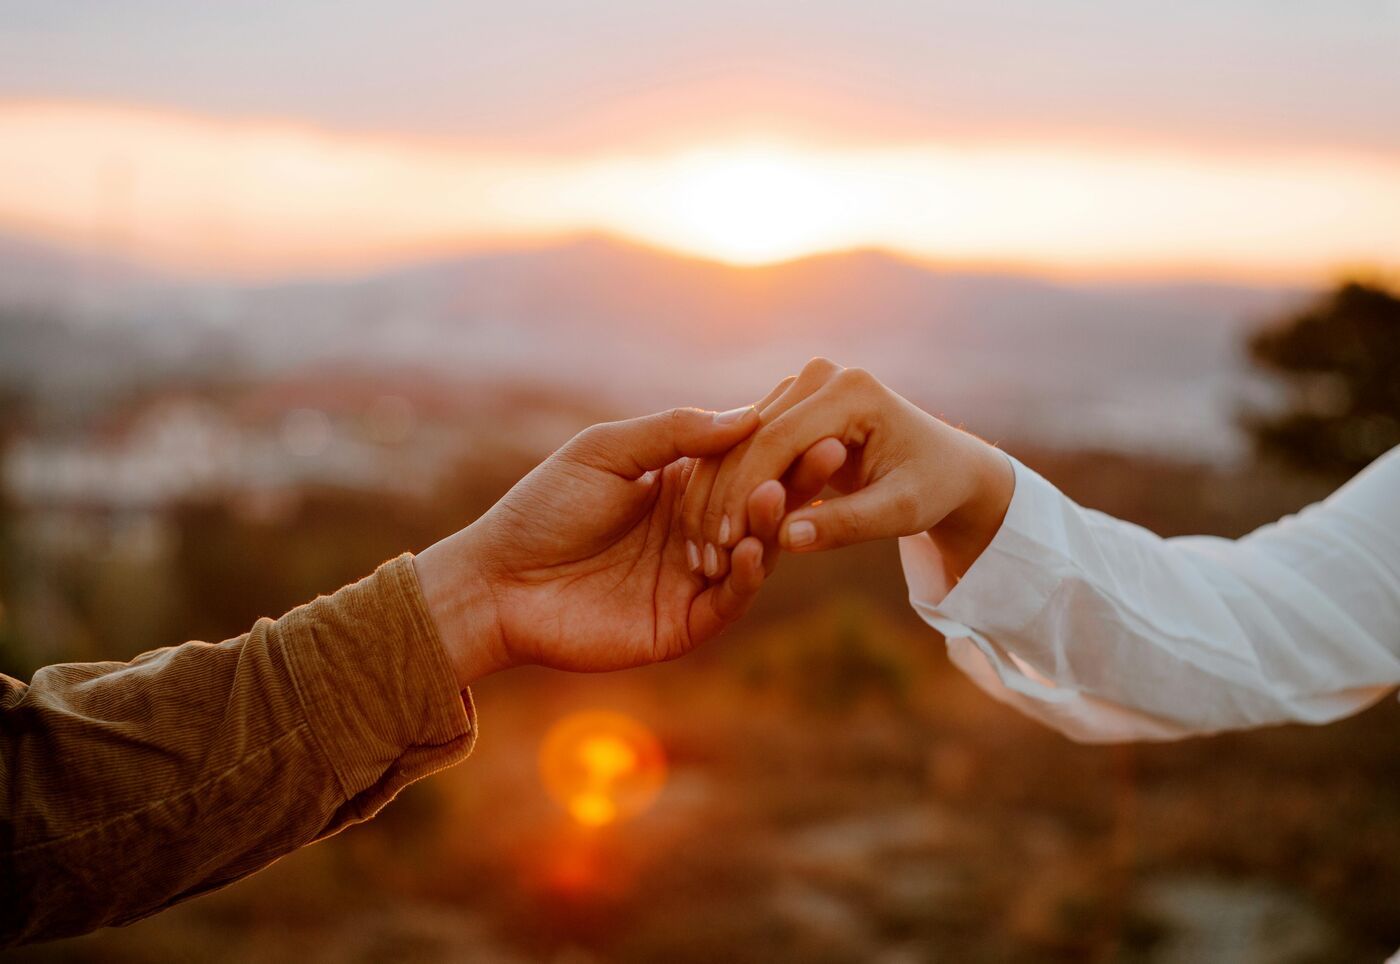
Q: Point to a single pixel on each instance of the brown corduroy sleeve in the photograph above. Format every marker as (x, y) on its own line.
(126, 787)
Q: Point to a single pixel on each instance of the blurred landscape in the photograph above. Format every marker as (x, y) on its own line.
(837, 792)
(287, 289)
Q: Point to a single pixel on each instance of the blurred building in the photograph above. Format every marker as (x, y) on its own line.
(174, 447)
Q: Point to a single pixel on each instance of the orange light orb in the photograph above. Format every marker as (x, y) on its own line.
(602, 767)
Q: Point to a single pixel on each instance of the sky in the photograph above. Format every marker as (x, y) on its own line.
(1242, 139)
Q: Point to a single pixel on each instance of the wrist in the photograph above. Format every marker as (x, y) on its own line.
(965, 532)
(457, 593)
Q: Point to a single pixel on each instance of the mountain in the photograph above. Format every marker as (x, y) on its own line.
(1143, 367)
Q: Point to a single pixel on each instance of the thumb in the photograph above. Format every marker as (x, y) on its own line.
(637, 446)
(864, 515)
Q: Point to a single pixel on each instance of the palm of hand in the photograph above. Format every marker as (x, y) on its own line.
(590, 572)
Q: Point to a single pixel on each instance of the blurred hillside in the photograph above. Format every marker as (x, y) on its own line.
(1152, 368)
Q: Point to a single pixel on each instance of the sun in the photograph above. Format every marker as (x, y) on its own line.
(752, 206)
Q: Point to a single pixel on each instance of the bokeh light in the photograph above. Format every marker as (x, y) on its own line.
(602, 767)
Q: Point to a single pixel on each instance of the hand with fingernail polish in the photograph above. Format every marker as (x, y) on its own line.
(583, 564)
(897, 470)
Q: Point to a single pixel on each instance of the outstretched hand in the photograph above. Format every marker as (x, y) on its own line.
(582, 565)
(904, 472)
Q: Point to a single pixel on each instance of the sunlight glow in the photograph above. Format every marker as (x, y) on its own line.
(264, 199)
(592, 809)
(754, 206)
(602, 767)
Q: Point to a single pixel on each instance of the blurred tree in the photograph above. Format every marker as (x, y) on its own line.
(1341, 360)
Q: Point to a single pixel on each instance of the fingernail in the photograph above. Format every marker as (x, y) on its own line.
(724, 530)
(733, 415)
(692, 556)
(711, 560)
(778, 508)
(801, 533)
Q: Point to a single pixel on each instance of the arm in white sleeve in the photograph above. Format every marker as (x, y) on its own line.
(1107, 632)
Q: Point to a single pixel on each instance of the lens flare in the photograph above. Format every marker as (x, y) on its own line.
(602, 767)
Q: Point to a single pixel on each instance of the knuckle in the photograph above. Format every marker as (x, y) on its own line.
(820, 368)
(847, 517)
(769, 447)
(773, 438)
(592, 434)
(770, 455)
(856, 379)
(589, 441)
(678, 419)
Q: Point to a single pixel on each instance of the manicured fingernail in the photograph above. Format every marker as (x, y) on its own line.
(733, 415)
(724, 530)
(801, 533)
(692, 556)
(711, 560)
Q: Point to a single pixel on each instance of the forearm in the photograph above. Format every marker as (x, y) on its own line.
(128, 787)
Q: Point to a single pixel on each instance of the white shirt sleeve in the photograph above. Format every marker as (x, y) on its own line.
(1108, 633)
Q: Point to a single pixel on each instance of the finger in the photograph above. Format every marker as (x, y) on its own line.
(771, 500)
(697, 496)
(712, 558)
(746, 572)
(766, 507)
(840, 410)
(775, 394)
(636, 446)
(805, 480)
(724, 602)
(724, 524)
(875, 512)
(714, 561)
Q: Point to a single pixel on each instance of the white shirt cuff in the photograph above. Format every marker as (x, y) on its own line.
(1008, 585)
(1002, 580)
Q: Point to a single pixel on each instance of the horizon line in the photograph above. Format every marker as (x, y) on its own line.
(350, 270)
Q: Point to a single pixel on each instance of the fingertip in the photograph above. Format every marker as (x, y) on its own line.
(831, 454)
(765, 509)
(723, 525)
(747, 566)
(799, 534)
(736, 418)
(772, 489)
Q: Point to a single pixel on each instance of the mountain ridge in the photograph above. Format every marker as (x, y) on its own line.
(1152, 366)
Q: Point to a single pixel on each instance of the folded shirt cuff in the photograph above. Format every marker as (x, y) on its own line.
(1003, 591)
(375, 683)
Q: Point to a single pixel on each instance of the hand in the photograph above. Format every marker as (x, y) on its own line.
(906, 472)
(800, 484)
(581, 566)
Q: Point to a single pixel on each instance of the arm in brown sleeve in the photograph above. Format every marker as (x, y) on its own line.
(126, 787)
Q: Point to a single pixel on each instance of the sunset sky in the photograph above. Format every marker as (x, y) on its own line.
(1241, 140)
